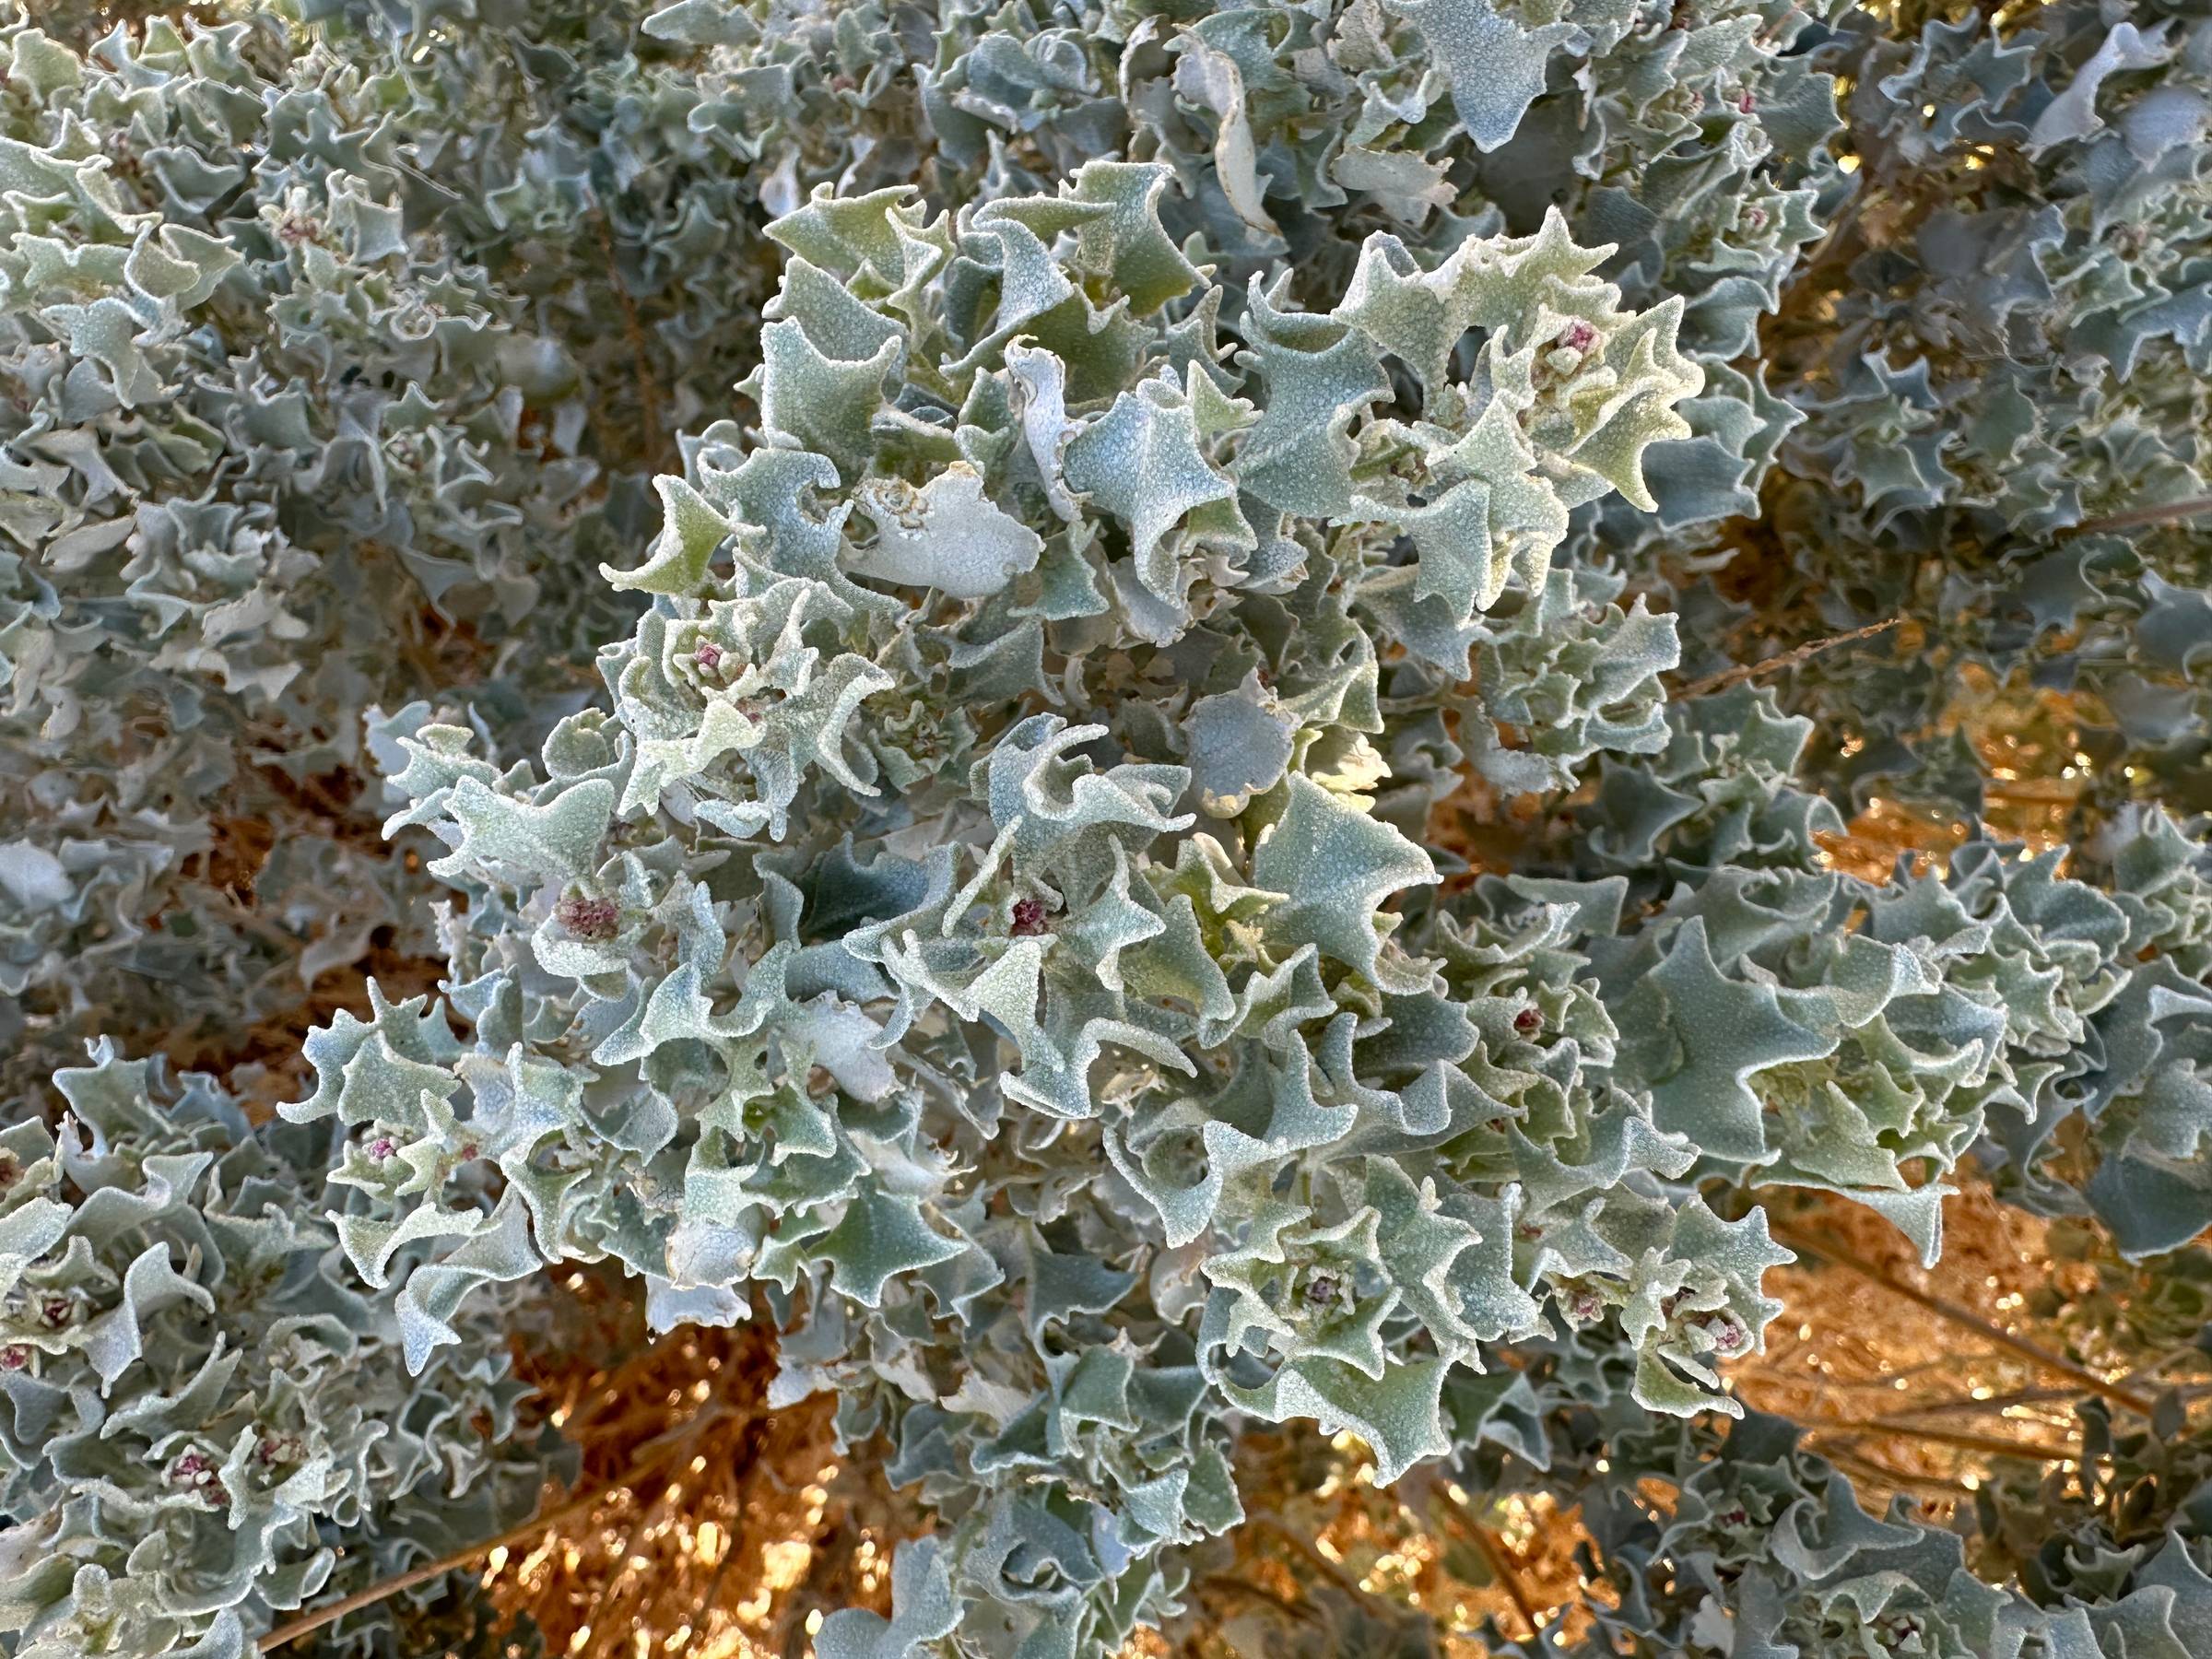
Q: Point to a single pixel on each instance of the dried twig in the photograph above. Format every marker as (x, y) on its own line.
(633, 330)
(1963, 1317)
(659, 1449)
(1788, 659)
(618, 1569)
(705, 1610)
(544, 1521)
(1847, 1457)
(1492, 1550)
(2135, 518)
(1994, 1445)
(1997, 1402)
(1421, 1490)
(1331, 1571)
(2027, 1397)
(1290, 1609)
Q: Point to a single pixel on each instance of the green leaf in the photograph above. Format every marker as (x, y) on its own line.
(945, 536)
(690, 531)
(560, 840)
(1320, 374)
(1334, 865)
(1704, 1036)
(1128, 245)
(881, 1235)
(1142, 462)
(1496, 68)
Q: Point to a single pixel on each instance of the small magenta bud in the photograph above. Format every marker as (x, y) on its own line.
(588, 918)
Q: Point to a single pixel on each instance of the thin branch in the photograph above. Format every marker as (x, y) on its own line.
(1963, 1317)
(1290, 1609)
(1767, 34)
(1331, 1571)
(1994, 1445)
(1995, 1402)
(2137, 517)
(2031, 1397)
(538, 1524)
(668, 1445)
(649, 386)
(2152, 1369)
(1788, 659)
(705, 1610)
(619, 1570)
(1492, 1550)
(2032, 792)
(1848, 1457)
(1422, 1490)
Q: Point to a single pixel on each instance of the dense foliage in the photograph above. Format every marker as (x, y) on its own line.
(1078, 696)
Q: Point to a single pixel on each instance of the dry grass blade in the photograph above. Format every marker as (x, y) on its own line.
(1775, 665)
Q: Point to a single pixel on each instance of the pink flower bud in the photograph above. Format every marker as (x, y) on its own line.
(595, 919)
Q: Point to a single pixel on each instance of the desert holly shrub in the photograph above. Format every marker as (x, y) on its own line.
(206, 1418)
(1076, 698)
